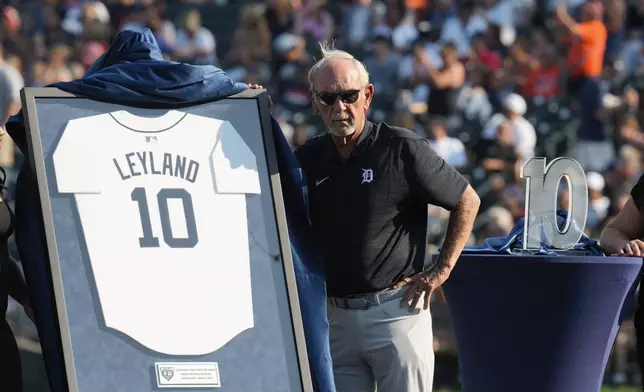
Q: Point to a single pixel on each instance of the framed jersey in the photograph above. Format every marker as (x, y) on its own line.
(167, 243)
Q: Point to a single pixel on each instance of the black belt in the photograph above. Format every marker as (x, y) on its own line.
(366, 301)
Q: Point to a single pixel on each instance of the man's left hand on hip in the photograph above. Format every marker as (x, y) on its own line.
(422, 285)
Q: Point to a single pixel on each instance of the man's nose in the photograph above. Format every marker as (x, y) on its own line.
(339, 106)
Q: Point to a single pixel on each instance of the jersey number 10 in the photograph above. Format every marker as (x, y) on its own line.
(149, 240)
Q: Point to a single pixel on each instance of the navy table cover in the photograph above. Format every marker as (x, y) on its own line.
(538, 323)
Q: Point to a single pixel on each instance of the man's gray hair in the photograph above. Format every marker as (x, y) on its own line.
(329, 52)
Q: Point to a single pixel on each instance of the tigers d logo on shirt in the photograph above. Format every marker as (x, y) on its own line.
(367, 176)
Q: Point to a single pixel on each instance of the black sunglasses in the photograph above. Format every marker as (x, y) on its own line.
(348, 97)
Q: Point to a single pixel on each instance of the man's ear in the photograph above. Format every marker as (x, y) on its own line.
(368, 92)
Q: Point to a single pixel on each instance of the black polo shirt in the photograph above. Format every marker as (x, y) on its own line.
(369, 214)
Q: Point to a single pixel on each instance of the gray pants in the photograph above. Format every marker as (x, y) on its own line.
(387, 346)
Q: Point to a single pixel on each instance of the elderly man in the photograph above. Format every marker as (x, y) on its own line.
(369, 187)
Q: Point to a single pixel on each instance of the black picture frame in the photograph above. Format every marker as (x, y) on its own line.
(32, 95)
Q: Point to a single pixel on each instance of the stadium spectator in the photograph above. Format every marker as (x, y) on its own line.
(541, 76)
(314, 20)
(383, 66)
(194, 43)
(396, 24)
(251, 41)
(16, 83)
(482, 58)
(163, 29)
(290, 80)
(626, 171)
(523, 132)
(598, 204)
(592, 150)
(461, 27)
(57, 68)
(499, 222)
(473, 100)
(444, 82)
(449, 148)
(615, 28)
(500, 154)
(280, 15)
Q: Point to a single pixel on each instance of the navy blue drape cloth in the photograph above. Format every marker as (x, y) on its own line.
(133, 72)
(514, 240)
(538, 323)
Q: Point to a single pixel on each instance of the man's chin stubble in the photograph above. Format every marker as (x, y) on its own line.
(344, 132)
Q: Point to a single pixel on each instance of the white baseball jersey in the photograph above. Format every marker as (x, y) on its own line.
(162, 203)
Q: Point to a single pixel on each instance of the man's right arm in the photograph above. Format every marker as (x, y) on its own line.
(623, 234)
(566, 20)
(628, 225)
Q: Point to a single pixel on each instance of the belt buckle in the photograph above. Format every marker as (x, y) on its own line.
(367, 303)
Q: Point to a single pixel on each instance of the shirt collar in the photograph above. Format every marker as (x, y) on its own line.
(363, 139)
(361, 145)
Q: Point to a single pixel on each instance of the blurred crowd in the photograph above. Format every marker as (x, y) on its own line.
(490, 83)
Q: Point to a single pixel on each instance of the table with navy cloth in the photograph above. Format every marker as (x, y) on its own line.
(538, 323)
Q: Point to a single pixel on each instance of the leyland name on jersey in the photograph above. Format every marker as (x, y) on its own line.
(162, 203)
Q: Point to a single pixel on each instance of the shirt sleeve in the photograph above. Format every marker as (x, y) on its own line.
(76, 158)
(234, 165)
(637, 193)
(431, 178)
